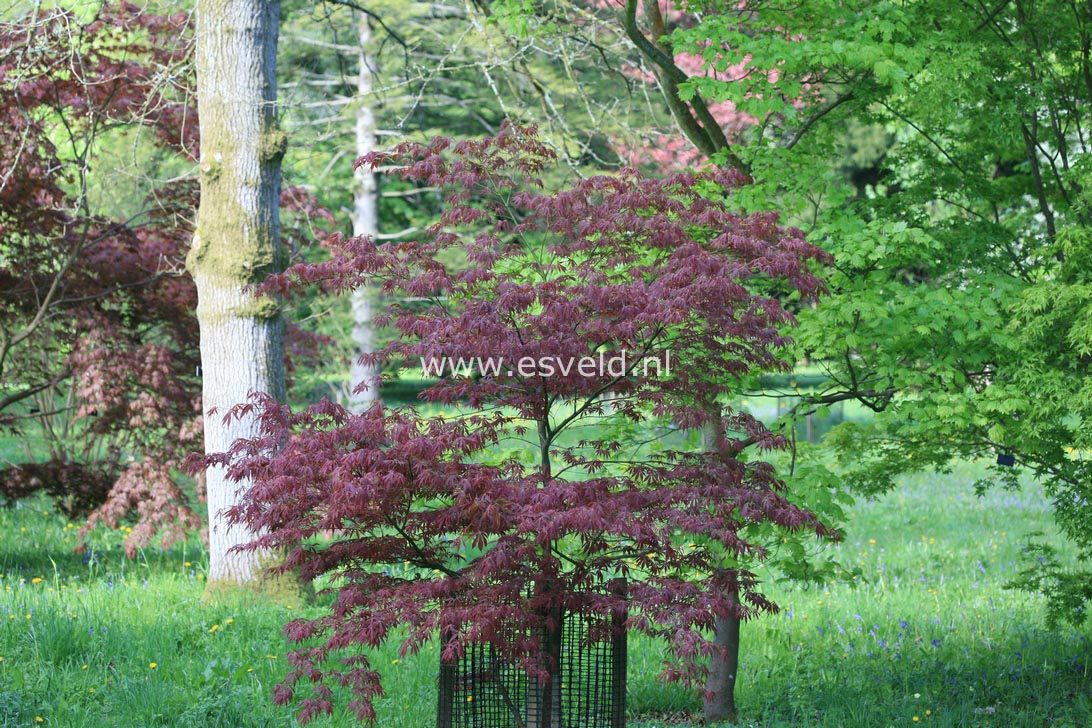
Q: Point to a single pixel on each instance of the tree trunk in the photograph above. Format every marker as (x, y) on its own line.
(720, 687)
(719, 703)
(544, 698)
(236, 244)
(365, 222)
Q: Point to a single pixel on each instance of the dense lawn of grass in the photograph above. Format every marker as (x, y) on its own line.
(924, 635)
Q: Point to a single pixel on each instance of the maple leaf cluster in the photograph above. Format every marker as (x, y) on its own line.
(534, 493)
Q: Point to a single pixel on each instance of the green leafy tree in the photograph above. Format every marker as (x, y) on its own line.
(960, 306)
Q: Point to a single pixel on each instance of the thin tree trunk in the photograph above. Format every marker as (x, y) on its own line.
(720, 687)
(544, 698)
(719, 703)
(236, 244)
(365, 222)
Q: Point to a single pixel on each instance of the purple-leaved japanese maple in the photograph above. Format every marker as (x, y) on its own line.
(439, 523)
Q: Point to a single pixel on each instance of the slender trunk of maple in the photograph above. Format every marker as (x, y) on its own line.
(720, 687)
(235, 244)
(365, 222)
(544, 696)
(719, 703)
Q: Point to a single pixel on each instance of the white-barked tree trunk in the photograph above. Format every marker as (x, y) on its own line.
(365, 223)
(236, 244)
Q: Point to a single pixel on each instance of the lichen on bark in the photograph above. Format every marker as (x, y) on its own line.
(272, 145)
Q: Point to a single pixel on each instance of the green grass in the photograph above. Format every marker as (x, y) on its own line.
(925, 629)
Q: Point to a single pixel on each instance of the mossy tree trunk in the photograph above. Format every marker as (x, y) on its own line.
(236, 244)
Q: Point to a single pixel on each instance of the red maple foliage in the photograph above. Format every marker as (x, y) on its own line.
(535, 492)
(98, 344)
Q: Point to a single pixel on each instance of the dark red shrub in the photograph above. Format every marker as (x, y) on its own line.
(537, 490)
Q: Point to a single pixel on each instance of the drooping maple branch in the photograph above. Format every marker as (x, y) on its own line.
(875, 400)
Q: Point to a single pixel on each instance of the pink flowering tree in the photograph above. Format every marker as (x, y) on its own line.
(603, 314)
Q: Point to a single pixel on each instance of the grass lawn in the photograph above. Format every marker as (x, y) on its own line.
(925, 635)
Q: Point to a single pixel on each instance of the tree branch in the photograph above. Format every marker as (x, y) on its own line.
(361, 9)
(707, 135)
(10, 399)
(822, 111)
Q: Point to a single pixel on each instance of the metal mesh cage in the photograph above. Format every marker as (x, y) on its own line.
(586, 688)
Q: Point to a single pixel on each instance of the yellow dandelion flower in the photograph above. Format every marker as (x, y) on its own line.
(84, 667)
(213, 628)
(152, 665)
(915, 719)
(229, 621)
(36, 580)
(39, 719)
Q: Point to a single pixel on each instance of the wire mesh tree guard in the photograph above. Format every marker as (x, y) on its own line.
(584, 661)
